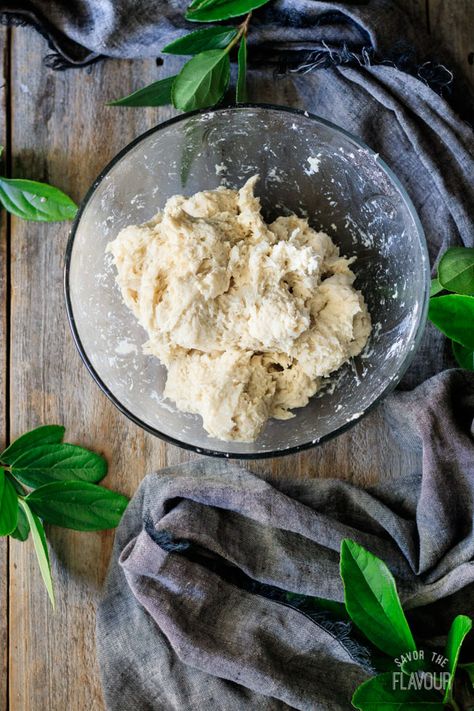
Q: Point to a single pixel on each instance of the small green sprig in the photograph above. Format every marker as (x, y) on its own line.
(406, 677)
(372, 602)
(453, 313)
(204, 79)
(34, 201)
(44, 480)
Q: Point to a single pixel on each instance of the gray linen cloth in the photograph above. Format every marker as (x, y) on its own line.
(81, 31)
(193, 615)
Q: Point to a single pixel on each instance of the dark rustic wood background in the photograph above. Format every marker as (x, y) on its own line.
(58, 129)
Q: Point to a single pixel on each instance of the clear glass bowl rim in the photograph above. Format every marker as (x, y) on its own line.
(251, 455)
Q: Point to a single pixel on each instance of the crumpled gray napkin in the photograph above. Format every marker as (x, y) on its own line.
(191, 616)
(84, 30)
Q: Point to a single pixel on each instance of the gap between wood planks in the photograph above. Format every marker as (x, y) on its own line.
(7, 167)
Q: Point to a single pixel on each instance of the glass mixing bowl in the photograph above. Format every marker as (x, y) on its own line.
(307, 166)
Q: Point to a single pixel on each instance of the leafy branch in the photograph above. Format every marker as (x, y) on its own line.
(372, 602)
(453, 312)
(204, 79)
(43, 480)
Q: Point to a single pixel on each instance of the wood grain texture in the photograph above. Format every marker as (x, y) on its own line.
(62, 132)
(4, 543)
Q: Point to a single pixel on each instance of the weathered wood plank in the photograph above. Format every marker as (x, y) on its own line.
(4, 69)
(63, 133)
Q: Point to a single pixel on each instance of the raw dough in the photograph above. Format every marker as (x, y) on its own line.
(248, 318)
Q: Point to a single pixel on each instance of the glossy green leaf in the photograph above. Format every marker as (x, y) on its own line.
(78, 505)
(47, 434)
(460, 627)
(216, 10)
(435, 287)
(409, 666)
(58, 462)
(372, 600)
(454, 316)
(464, 356)
(35, 201)
(241, 91)
(199, 3)
(41, 548)
(19, 488)
(389, 692)
(22, 529)
(201, 40)
(456, 270)
(8, 505)
(202, 81)
(156, 94)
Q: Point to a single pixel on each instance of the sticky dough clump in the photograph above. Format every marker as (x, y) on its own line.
(248, 318)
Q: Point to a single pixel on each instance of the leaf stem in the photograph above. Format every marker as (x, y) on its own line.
(243, 29)
(245, 23)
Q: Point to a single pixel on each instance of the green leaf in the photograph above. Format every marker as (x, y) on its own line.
(202, 81)
(199, 3)
(78, 505)
(456, 270)
(464, 356)
(410, 666)
(454, 316)
(22, 529)
(435, 287)
(47, 434)
(8, 506)
(156, 94)
(372, 600)
(41, 548)
(216, 10)
(241, 92)
(202, 40)
(460, 627)
(389, 692)
(19, 488)
(35, 201)
(58, 462)
(469, 669)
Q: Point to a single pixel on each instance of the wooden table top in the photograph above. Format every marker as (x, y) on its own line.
(58, 129)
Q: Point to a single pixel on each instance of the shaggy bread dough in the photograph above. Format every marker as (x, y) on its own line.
(247, 317)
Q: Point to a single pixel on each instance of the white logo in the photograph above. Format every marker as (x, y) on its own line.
(421, 669)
